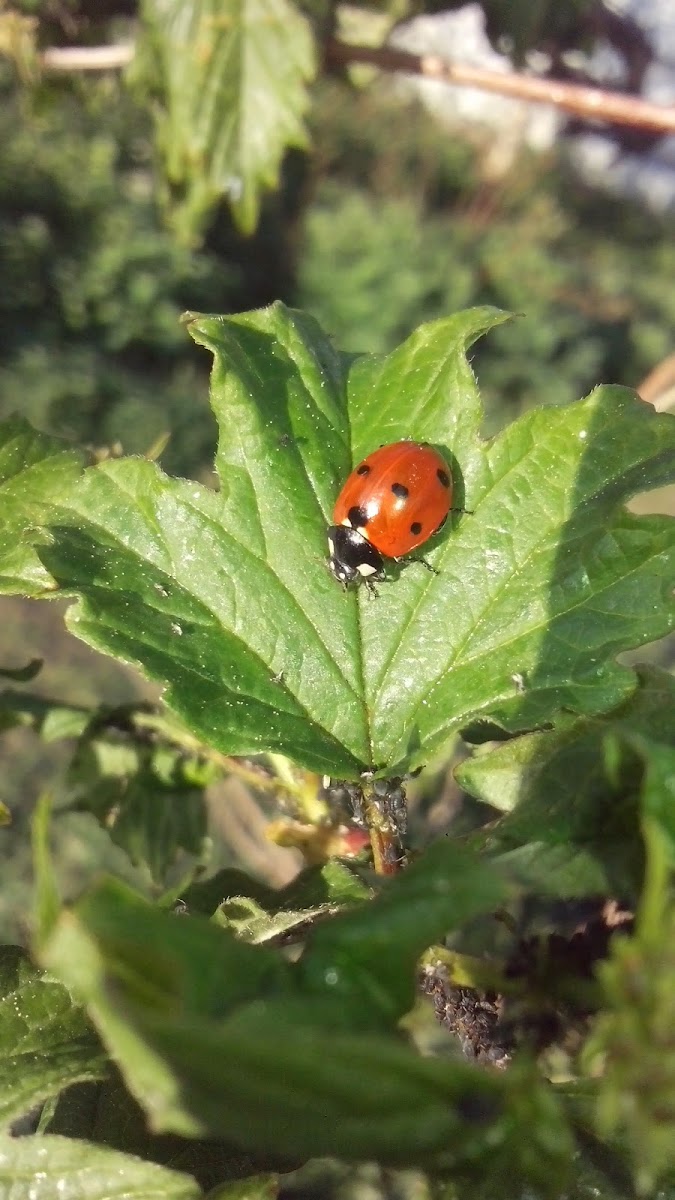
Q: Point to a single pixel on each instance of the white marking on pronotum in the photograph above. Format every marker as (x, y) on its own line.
(331, 546)
(366, 569)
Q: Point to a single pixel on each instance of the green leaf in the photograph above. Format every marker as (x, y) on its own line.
(280, 1089)
(141, 793)
(357, 971)
(274, 1085)
(368, 955)
(173, 960)
(630, 1054)
(233, 80)
(247, 919)
(33, 467)
(657, 801)
(46, 1042)
(52, 1167)
(217, 1038)
(117, 951)
(556, 870)
(362, 962)
(226, 598)
(107, 1114)
(561, 790)
(537, 767)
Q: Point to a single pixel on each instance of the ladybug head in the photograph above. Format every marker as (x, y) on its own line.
(352, 558)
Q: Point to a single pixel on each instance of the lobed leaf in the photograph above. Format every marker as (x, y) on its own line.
(226, 597)
(233, 93)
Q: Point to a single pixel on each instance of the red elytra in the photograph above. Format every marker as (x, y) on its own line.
(397, 497)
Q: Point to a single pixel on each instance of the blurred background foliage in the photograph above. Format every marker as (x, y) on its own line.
(390, 220)
(389, 223)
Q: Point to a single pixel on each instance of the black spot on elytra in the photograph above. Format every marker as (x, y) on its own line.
(416, 528)
(443, 477)
(357, 516)
(439, 527)
(363, 469)
(400, 491)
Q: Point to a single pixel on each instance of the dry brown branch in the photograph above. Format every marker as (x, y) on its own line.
(87, 58)
(658, 387)
(588, 102)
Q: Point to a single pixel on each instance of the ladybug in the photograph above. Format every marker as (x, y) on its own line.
(393, 501)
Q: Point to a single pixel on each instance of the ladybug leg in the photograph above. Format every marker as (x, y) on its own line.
(423, 562)
(467, 511)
